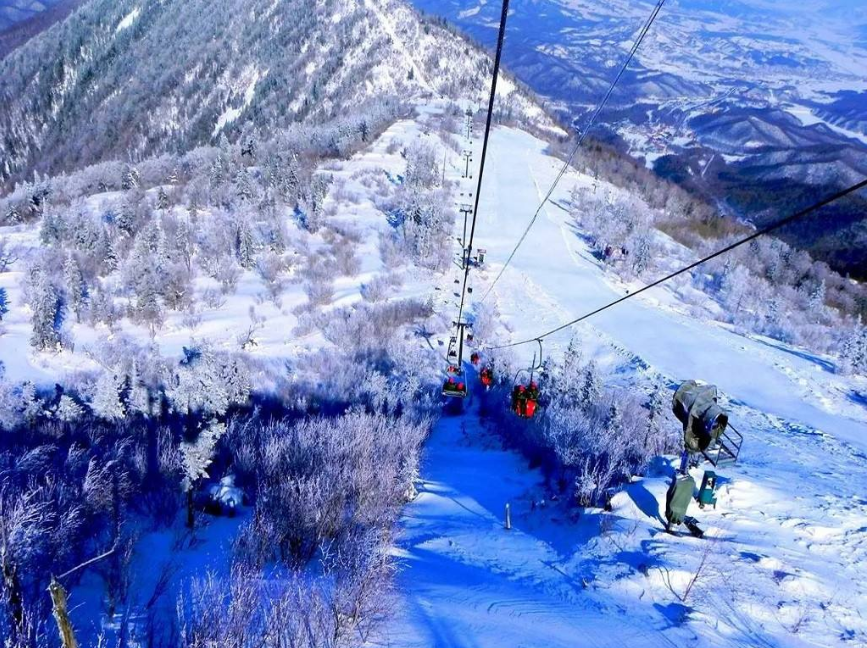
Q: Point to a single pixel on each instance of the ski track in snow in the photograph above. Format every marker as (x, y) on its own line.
(788, 541)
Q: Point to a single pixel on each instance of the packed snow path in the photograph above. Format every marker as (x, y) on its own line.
(467, 582)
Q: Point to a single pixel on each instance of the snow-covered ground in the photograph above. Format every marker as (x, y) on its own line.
(352, 198)
(783, 559)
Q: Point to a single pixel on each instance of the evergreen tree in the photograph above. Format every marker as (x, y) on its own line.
(107, 403)
(68, 411)
(243, 186)
(130, 178)
(591, 389)
(47, 312)
(571, 378)
(76, 289)
(816, 303)
(853, 351)
(31, 405)
(162, 199)
(245, 248)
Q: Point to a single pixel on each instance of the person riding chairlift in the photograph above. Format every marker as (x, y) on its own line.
(474, 358)
(452, 386)
(525, 400)
(486, 375)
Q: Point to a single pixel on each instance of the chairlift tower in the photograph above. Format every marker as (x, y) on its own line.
(466, 209)
(468, 157)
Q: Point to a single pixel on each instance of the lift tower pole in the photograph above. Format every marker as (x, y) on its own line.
(468, 157)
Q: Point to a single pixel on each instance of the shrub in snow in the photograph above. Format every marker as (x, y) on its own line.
(315, 480)
(588, 437)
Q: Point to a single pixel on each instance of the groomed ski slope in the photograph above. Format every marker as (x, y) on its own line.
(554, 279)
(785, 550)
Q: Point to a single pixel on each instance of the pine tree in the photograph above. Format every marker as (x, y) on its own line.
(126, 217)
(591, 389)
(31, 404)
(107, 403)
(130, 178)
(245, 248)
(571, 378)
(641, 254)
(184, 244)
(47, 312)
(162, 199)
(816, 303)
(68, 411)
(853, 351)
(76, 290)
(243, 186)
(654, 442)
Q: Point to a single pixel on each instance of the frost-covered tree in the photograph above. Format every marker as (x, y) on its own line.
(853, 350)
(76, 289)
(107, 402)
(68, 411)
(47, 309)
(571, 378)
(591, 387)
(312, 201)
(245, 246)
(4, 303)
(734, 288)
(31, 406)
(162, 199)
(816, 302)
(422, 165)
(208, 383)
(130, 178)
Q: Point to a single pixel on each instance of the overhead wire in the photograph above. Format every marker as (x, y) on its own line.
(761, 232)
(468, 245)
(581, 137)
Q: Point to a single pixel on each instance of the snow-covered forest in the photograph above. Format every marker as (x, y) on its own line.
(231, 241)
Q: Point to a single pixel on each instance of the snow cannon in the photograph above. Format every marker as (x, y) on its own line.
(705, 423)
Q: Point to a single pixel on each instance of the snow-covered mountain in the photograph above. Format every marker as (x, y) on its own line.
(757, 104)
(122, 80)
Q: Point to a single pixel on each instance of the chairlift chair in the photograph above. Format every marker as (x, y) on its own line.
(455, 387)
(526, 393)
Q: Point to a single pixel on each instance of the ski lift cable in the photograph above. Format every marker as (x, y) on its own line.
(770, 228)
(581, 137)
(469, 244)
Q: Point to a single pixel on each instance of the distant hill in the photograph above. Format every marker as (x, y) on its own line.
(15, 35)
(755, 105)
